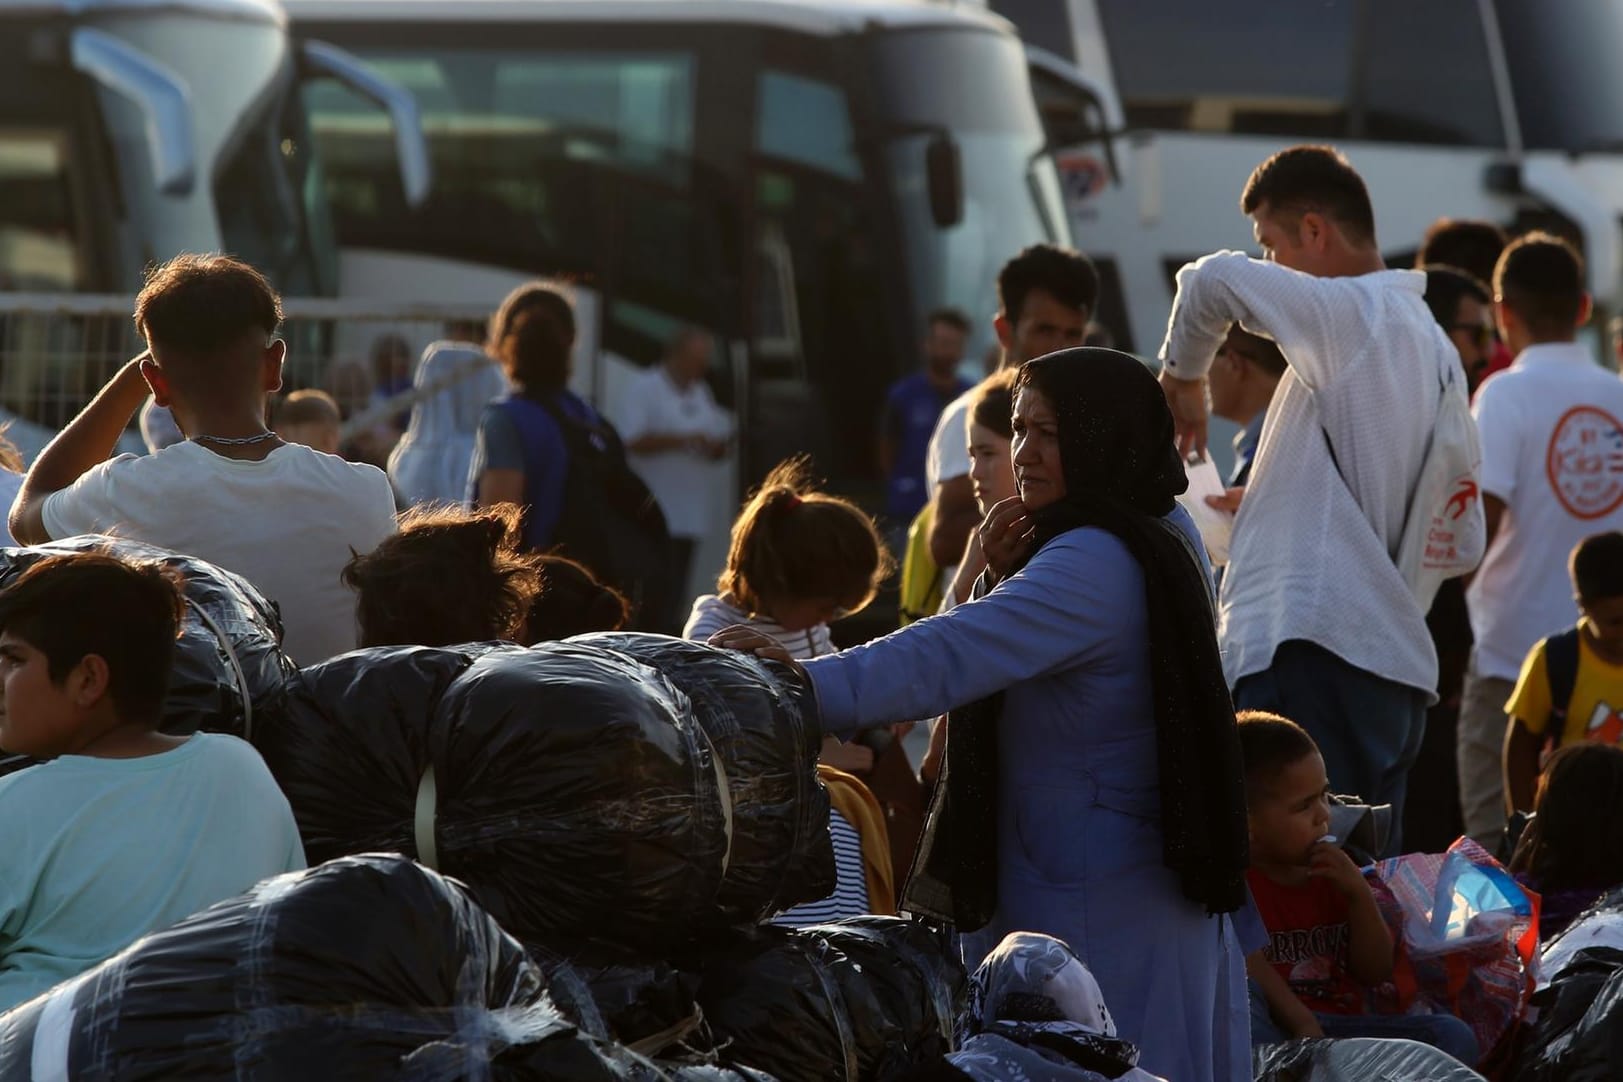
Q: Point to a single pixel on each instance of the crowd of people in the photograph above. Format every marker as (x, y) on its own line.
(1078, 656)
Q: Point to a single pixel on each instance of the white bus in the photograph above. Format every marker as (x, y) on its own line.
(807, 180)
(1507, 110)
(132, 130)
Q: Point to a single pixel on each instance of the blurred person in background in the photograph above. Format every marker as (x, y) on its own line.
(456, 380)
(1245, 373)
(913, 405)
(1473, 246)
(309, 417)
(675, 433)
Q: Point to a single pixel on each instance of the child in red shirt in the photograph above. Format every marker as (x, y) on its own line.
(1327, 942)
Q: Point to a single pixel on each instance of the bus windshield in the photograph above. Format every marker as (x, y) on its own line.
(1011, 190)
(1564, 73)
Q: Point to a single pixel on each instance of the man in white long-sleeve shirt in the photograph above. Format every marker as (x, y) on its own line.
(1316, 622)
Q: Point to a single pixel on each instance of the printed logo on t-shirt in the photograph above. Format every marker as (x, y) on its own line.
(1605, 725)
(1585, 462)
(1312, 955)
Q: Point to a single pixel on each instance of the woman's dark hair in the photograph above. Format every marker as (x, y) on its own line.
(572, 602)
(126, 612)
(532, 334)
(1269, 744)
(1576, 838)
(448, 576)
(791, 542)
(1597, 567)
(991, 404)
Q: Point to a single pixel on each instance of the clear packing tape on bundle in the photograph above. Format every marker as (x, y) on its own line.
(366, 967)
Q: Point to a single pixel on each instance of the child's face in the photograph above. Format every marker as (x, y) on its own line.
(37, 716)
(1288, 816)
(1605, 620)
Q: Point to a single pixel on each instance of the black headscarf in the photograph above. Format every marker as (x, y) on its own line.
(1122, 474)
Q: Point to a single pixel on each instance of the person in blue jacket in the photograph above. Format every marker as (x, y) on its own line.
(1092, 788)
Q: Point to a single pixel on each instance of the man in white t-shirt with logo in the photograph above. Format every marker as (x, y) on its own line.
(284, 517)
(1552, 475)
(674, 434)
(1045, 295)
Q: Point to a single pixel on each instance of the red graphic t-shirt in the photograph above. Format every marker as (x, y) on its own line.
(1307, 942)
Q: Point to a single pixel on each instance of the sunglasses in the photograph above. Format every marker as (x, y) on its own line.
(1480, 333)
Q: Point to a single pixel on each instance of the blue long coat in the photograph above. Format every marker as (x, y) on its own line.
(1079, 815)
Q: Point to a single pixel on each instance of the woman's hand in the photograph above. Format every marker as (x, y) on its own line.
(749, 641)
(1006, 535)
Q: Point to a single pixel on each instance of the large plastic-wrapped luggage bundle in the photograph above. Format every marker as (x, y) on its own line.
(569, 785)
(229, 667)
(1577, 1030)
(860, 1000)
(1357, 1059)
(754, 717)
(365, 968)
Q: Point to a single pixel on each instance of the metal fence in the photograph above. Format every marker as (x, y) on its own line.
(58, 350)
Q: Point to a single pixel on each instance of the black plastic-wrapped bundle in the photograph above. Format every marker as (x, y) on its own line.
(229, 667)
(568, 786)
(860, 1000)
(1357, 1059)
(1578, 1033)
(367, 967)
(763, 726)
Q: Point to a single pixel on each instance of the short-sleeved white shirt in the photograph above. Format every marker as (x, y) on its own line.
(682, 482)
(287, 523)
(1552, 450)
(949, 444)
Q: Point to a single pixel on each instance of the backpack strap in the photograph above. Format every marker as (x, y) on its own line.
(1561, 667)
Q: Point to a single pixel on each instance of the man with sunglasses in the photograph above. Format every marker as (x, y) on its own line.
(285, 517)
(1460, 305)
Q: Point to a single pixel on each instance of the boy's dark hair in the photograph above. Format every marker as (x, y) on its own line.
(1066, 275)
(950, 317)
(1446, 286)
(572, 602)
(1319, 179)
(1596, 566)
(1268, 745)
(1576, 837)
(1540, 277)
(1472, 245)
(1262, 352)
(532, 334)
(196, 306)
(792, 542)
(126, 612)
(309, 407)
(448, 576)
(991, 403)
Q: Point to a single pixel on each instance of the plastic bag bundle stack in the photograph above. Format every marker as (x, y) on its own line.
(574, 788)
(1577, 1031)
(229, 667)
(368, 967)
(853, 1000)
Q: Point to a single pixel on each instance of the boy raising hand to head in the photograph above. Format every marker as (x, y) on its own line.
(1327, 942)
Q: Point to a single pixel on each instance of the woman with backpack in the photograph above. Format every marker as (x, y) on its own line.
(544, 448)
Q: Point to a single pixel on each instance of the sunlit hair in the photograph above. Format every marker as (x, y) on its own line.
(572, 602)
(991, 404)
(532, 334)
(448, 576)
(1270, 745)
(792, 543)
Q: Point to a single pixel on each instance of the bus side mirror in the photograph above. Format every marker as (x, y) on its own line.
(944, 176)
(411, 144)
(162, 96)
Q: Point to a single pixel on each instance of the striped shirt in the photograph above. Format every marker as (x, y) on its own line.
(710, 614)
(850, 897)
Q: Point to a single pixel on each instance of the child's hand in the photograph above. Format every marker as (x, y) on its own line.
(1327, 860)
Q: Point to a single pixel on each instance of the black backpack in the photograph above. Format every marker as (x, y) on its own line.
(1561, 667)
(610, 520)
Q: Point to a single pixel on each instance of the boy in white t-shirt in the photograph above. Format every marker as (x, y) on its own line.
(124, 830)
(233, 493)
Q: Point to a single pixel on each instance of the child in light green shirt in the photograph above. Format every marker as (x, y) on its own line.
(125, 830)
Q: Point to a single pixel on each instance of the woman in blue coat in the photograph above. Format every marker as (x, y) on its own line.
(1092, 785)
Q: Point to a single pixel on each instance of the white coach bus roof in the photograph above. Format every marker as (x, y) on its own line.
(266, 11)
(810, 16)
